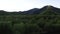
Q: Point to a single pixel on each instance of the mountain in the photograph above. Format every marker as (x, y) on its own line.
(45, 10)
(30, 11)
(35, 21)
(48, 8)
(34, 11)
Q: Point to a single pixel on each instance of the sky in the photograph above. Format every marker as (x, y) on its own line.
(23, 5)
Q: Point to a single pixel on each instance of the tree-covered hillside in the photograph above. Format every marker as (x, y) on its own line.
(36, 21)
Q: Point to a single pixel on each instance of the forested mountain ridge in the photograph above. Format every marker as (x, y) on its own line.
(35, 21)
(33, 11)
(44, 9)
(51, 10)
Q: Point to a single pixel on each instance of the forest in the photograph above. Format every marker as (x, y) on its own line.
(35, 21)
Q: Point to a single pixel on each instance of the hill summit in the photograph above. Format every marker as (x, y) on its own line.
(42, 10)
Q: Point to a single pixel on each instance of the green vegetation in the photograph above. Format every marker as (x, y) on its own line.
(46, 22)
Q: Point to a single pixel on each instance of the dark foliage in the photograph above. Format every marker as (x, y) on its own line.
(35, 21)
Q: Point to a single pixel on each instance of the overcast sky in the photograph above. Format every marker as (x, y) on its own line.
(21, 5)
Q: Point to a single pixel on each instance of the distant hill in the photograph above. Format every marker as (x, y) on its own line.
(44, 10)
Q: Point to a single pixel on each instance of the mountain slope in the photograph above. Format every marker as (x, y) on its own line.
(50, 10)
(47, 9)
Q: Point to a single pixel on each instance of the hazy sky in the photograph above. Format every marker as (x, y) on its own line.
(21, 5)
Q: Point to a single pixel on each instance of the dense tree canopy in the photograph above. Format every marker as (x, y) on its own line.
(45, 21)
